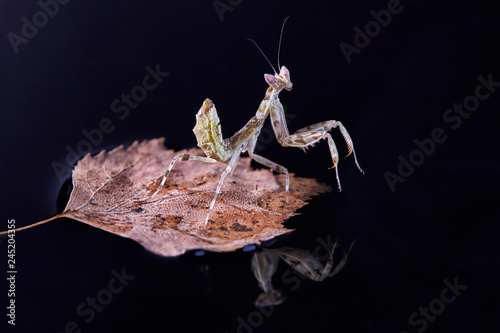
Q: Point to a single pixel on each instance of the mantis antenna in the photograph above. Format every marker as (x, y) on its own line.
(250, 39)
(279, 44)
(279, 47)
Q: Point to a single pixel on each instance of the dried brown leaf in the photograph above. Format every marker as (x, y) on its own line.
(112, 191)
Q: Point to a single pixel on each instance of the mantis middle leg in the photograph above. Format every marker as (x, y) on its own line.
(186, 157)
(183, 157)
(267, 162)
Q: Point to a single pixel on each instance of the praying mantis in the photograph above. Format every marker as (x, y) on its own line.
(265, 263)
(217, 149)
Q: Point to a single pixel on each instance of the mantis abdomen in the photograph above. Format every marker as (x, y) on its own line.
(208, 133)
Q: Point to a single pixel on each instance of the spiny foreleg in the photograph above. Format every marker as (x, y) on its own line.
(309, 135)
(308, 265)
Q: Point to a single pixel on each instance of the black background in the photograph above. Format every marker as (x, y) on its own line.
(440, 223)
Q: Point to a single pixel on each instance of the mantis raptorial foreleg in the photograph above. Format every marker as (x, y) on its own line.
(308, 265)
(265, 264)
(310, 135)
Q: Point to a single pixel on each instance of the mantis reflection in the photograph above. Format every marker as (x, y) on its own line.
(265, 263)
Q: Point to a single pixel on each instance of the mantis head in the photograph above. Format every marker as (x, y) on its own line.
(279, 81)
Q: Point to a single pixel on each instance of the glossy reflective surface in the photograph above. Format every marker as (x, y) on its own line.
(419, 95)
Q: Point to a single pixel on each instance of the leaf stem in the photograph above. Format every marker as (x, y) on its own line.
(34, 224)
